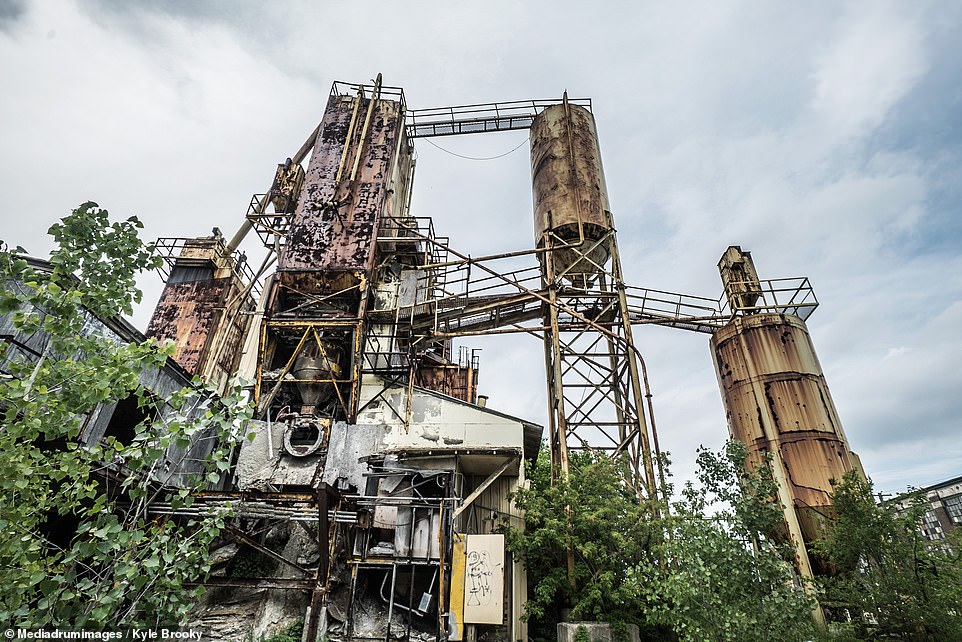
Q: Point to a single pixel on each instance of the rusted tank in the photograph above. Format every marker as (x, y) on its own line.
(777, 401)
(568, 186)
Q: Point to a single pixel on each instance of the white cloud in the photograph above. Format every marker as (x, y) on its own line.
(874, 60)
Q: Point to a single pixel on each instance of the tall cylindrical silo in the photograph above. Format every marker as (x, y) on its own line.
(568, 186)
(777, 402)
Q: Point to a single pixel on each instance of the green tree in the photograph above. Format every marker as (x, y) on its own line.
(704, 571)
(80, 544)
(610, 530)
(722, 577)
(891, 581)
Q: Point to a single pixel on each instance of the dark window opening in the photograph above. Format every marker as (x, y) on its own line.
(414, 591)
(427, 485)
(183, 274)
(126, 417)
(60, 529)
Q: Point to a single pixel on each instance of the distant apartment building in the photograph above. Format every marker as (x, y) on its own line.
(944, 513)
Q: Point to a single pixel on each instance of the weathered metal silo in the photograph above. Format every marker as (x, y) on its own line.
(568, 187)
(778, 402)
(590, 356)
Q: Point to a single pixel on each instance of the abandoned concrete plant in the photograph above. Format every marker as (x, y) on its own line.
(372, 490)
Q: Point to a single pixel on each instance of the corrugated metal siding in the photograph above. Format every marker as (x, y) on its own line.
(178, 463)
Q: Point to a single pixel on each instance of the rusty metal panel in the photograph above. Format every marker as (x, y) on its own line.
(774, 343)
(334, 226)
(800, 403)
(739, 278)
(224, 358)
(208, 341)
(188, 314)
(287, 185)
(568, 180)
(459, 382)
(811, 465)
(812, 462)
(744, 415)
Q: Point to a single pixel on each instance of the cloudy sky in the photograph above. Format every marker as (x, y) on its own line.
(822, 136)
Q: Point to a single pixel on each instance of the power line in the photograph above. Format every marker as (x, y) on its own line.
(448, 151)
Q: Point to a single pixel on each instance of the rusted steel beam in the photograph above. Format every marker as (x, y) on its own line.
(256, 495)
(301, 323)
(325, 495)
(479, 118)
(459, 381)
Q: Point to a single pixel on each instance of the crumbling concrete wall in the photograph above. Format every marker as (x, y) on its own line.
(256, 613)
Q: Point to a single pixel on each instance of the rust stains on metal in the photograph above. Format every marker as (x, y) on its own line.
(460, 382)
(568, 185)
(188, 314)
(357, 174)
(313, 293)
(742, 287)
(202, 310)
(286, 187)
(335, 223)
(777, 401)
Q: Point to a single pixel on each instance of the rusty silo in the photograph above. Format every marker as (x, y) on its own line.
(596, 394)
(777, 401)
(568, 187)
(372, 434)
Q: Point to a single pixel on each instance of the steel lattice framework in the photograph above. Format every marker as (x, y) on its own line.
(595, 386)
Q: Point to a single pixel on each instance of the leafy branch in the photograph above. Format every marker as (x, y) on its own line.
(90, 550)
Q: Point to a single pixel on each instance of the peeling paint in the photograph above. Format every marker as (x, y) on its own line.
(188, 314)
(335, 224)
(568, 185)
(203, 310)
